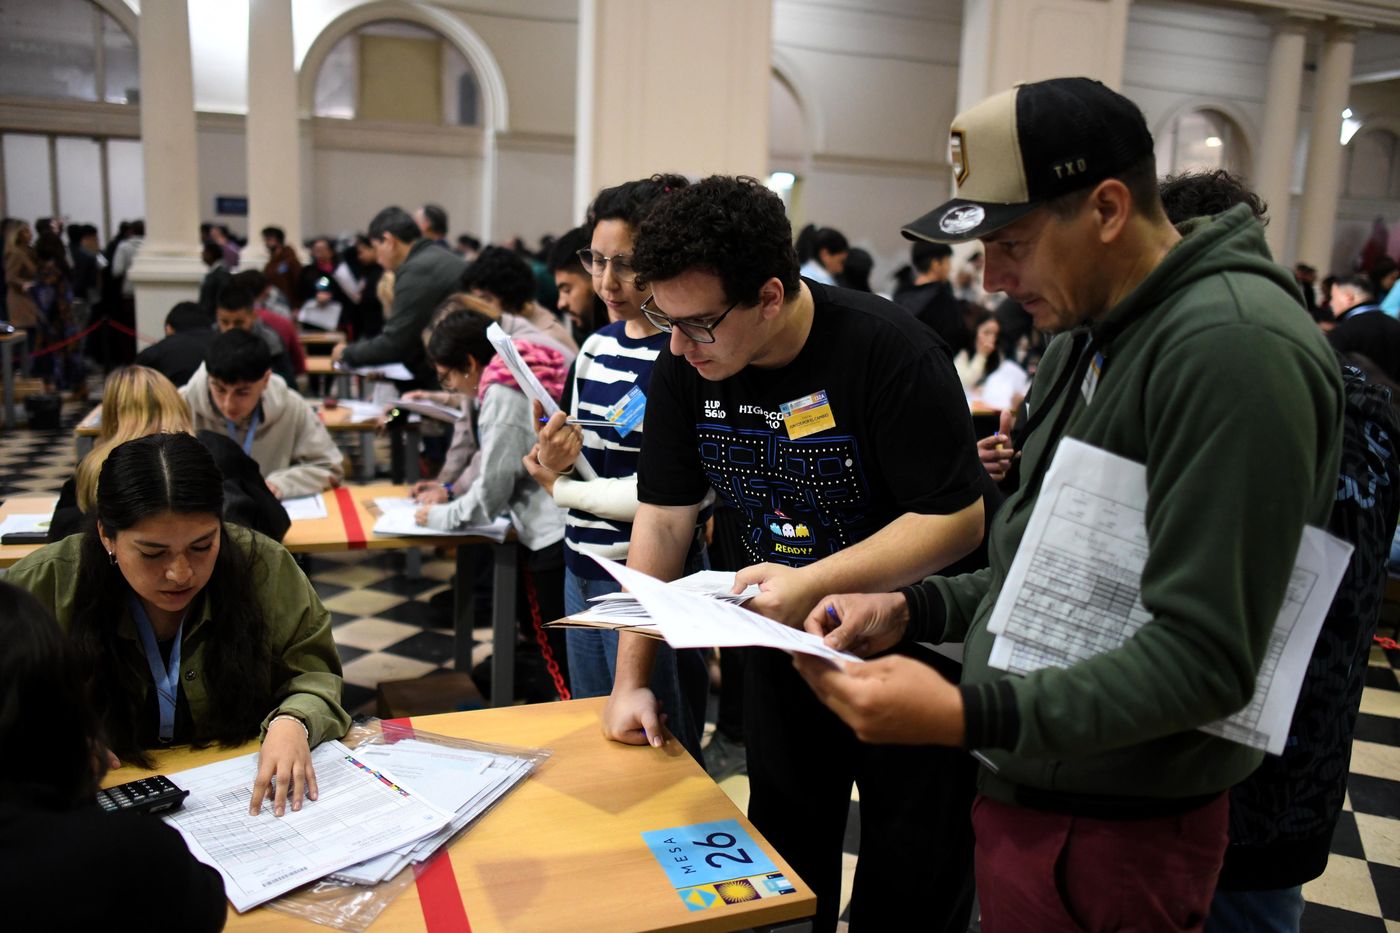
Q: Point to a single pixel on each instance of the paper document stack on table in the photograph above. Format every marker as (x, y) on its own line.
(398, 520)
(687, 619)
(305, 508)
(380, 807)
(396, 372)
(1073, 590)
(430, 409)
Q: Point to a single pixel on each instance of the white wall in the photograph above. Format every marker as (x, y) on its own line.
(348, 188)
(879, 78)
(534, 192)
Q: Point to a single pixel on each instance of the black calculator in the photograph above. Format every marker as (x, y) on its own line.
(149, 795)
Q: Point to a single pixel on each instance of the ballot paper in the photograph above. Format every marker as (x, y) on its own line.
(361, 810)
(361, 412)
(430, 409)
(623, 612)
(460, 781)
(530, 384)
(396, 372)
(1073, 590)
(401, 522)
(396, 503)
(17, 524)
(305, 508)
(326, 317)
(689, 620)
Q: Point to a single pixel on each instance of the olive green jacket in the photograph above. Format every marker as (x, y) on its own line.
(306, 666)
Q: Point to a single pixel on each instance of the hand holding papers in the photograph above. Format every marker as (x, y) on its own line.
(623, 612)
(1073, 589)
(687, 619)
(530, 384)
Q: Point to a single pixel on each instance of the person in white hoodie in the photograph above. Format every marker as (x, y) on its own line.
(235, 392)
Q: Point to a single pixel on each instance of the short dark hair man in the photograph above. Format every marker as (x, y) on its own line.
(1101, 797)
(577, 299)
(235, 310)
(504, 279)
(836, 426)
(423, 278)
(1353, 296)
(236, 393)
(188, 333)
(432, 221)
(930, 296)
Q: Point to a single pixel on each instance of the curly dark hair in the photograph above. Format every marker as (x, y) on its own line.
(733, 227)
(1205, 194)
(503, 273)
(631, 201)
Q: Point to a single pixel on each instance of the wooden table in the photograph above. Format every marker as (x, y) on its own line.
(350, 518)
(564, 850)
(320, 338)
(9, 345)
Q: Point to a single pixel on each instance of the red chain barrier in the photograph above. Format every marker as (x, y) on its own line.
(1389, 644)
(67, 342)
(545, 651)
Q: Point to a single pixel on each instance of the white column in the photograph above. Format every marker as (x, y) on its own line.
(1318, 219)
(168, 268)
(1273, 170)
(273, 127)
(671, 86)
(1008, 41)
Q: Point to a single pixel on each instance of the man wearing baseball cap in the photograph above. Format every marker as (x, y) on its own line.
(1101, 805)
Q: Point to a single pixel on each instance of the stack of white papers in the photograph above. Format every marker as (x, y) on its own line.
(18, 524)
(460, 781)
(305, 508)
(689, 620)
(360, 412)
(361, 811)
(431, 409)
(400, 521)
(1073, 590)
(624, 611)
(397, 372)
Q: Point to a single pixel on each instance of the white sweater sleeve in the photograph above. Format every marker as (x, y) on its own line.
(605, 497)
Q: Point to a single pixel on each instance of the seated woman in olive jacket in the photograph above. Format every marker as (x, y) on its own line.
(195, 631)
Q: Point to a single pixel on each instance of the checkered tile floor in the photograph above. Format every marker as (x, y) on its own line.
(383, 625)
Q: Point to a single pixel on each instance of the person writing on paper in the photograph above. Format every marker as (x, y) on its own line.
(1100, 797)
(137, 401)
(460, 466)
(236, 393)
(51, 831)
(610, 382)
(195, 631)
(467, 364)
(834, 424)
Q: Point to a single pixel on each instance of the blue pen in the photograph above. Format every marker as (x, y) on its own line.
(831, 614)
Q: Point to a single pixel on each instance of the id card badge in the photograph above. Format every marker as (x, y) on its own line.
(627, 412)
(807, 415)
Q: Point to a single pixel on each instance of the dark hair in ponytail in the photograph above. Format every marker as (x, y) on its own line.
(146, 477)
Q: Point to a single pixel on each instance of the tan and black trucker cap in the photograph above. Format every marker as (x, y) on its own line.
(1022, 147)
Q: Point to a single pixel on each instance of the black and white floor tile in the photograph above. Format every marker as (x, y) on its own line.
(387, 629)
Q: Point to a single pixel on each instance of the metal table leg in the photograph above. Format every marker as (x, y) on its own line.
(367, 456)
(463, 608)
(503, 624)
(7, 363)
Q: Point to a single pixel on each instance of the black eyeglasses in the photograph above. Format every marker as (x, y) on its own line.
(699, 333)
(596, 264)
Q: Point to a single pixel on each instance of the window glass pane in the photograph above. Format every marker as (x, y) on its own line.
(125, 180)
(80, 180)
(47, 49)
(123, 79)
(28, 194)
(1200, 144)
(335, 85)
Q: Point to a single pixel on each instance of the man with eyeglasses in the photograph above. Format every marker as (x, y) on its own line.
(423, 278)
(836, 426)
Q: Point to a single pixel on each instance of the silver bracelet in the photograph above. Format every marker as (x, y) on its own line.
(294, 719)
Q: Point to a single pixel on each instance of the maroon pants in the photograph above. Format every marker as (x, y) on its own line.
(1047, 872)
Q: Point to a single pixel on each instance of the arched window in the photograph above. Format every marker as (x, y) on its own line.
(65, 50)
(397, 72)
(1202, 140)
(1373, 165)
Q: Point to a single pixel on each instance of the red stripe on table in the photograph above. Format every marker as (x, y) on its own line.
(439, 896)
(350, 517)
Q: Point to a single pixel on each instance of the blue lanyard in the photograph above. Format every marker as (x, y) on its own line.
(167, 678)
(252, 426)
